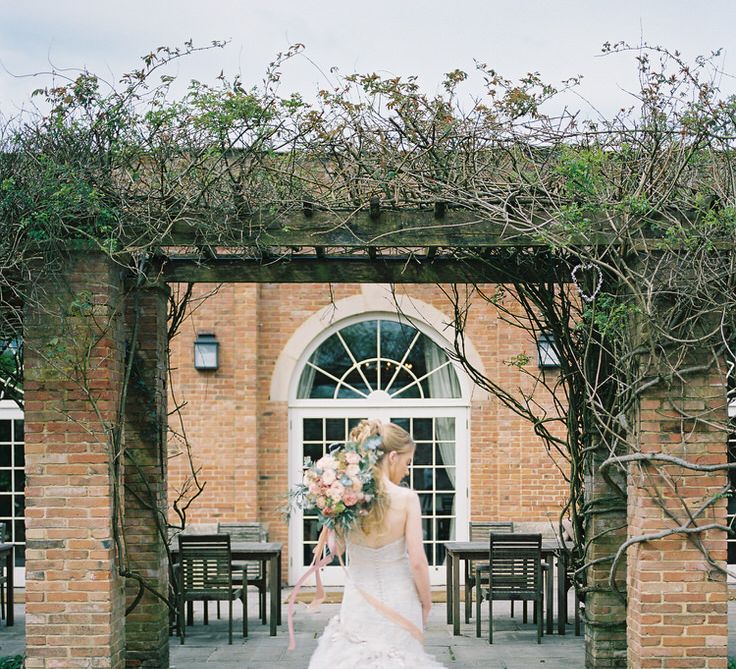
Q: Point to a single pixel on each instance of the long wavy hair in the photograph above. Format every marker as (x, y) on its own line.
(393, 439)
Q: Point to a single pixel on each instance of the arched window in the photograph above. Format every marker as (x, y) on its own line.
(380, 367)
(375, 358)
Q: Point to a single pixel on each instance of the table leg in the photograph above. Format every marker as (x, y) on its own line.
(278, 589)
(549, 594)
(273, 590)
(456, 596)
(9, 566)
(561, 591)
(448, 580)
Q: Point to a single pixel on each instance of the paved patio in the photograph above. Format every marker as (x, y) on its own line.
(514, 644)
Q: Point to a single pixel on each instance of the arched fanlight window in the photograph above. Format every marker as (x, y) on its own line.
(378, 358)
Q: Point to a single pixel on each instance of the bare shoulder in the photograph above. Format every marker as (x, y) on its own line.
(403, 497)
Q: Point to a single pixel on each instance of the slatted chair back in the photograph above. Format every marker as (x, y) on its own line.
(205, 574)
(480, 530)
(204, 561)
(515, 574)
(246, 532)
(515, 566)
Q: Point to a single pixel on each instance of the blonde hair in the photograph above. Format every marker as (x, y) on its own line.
(393, 439)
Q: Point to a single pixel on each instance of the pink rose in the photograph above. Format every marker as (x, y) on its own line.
(352, 458)
(349, 498)
(352, 470)
(336, 491)
(357, 485)
(328, 476)
(314, 489)
(321, 501)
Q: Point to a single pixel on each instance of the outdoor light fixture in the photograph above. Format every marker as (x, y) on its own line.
(206, 353)
(548, 355)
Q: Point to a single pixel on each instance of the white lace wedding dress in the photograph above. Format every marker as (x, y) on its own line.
(360, 635)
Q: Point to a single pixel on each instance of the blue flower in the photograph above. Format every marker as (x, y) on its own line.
(373, 442)
(345, 480)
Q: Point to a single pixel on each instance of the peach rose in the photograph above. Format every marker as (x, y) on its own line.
(328, 476)
(352, 458)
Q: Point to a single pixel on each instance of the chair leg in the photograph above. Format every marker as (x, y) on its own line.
(490, 618)
(206, 612)
(478, 598)
(244, 600)
(577, 615)
(540, 618)
(182, 623)
(525, 617)
(190, 613)
(468, 600)
(230, 620)
(2, 601)
(512, 608)
(218, 609)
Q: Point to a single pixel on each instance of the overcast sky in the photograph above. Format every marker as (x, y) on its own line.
(558, 38)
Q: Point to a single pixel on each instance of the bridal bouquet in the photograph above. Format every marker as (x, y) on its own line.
(340, 485)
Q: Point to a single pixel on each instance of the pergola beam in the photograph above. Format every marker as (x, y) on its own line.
(394, 269)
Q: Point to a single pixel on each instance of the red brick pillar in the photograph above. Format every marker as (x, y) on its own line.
(75, 602)
(605, 611)
(677, 600)
(147, 625)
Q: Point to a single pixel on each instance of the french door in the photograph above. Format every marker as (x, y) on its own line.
(438, 473)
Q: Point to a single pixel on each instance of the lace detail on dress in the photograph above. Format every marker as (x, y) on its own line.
(362, 636)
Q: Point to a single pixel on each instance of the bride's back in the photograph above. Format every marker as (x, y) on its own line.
(393, 526)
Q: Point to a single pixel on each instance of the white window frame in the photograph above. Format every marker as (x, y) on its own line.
(9, 410)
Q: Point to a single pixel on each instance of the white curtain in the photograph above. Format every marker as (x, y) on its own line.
(306, 382)
(443, 383)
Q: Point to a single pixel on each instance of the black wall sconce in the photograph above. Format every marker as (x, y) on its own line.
(206, 352)
(547, 353)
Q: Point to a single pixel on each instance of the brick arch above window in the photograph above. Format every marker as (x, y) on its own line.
(372, 303)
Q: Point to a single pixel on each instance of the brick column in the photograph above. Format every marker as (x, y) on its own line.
(75, 603)
(677, 601)
(605, 612)
(147, 625)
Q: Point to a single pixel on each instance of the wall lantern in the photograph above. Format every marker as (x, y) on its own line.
(548, 355)
(206, 352)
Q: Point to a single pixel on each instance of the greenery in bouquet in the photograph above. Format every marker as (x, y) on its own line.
(341, 485)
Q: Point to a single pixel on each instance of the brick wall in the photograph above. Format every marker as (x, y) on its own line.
(75, 602)
(147, 625)
(677, 600)
(239, 435)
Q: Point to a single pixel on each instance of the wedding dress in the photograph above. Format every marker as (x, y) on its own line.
(360, 635)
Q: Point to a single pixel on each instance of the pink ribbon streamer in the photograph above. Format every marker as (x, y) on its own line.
(321, 558)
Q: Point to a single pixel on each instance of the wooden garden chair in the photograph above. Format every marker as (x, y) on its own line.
(514, 574)
(205, 574)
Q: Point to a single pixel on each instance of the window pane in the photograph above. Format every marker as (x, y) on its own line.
(5, 454)
(5, 481)
(313, 429)
(445, 428)
(20, 530)
(335, 430)
(423, 454)
(332, 356)
(443, 481)
(5, 506)
(444, 503)
(20, 480)
(403, 423)
(362, 339)
(313, 451)
(345, 393)
(422, 478)
(5, 430)
(395, 339)
(425, 502)
(441, 553)
(20, 504)
(323, 387)
(355, 380)
(20, 556)
(444, 525)
(18, 424)
(20, 455)
(422, 429)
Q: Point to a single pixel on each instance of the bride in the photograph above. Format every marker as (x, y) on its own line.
(387, 600)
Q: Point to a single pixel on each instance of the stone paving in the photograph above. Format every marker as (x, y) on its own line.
(514, 644)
